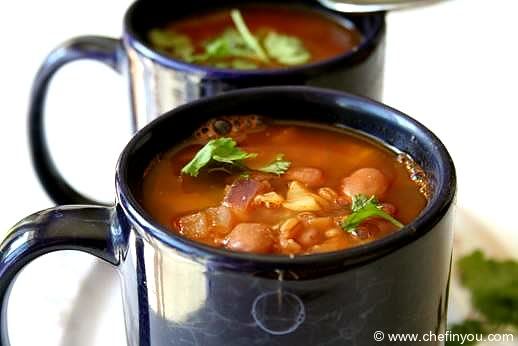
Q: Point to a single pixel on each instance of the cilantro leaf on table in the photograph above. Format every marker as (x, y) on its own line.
(221, 150)
(364, 208)
(467, 327)
(279, 166)
(493, 285)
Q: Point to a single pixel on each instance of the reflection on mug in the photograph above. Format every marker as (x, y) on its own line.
(278, 312)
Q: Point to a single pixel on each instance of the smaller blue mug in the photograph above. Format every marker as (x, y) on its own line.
(158, 83)
(176, 291)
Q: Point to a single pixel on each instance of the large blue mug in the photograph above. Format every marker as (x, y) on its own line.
(158, 83)
(179, 292)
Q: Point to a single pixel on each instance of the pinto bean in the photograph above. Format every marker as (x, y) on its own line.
(366, 181)
(332, 244)
(310, 237)
(250, 237)
(309, 176)
(320, 223)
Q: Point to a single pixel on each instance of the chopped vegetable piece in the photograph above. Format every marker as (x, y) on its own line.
(270, 199)
(241, 193)
(279, 166)
(296, 190)
(363, 208)
(194, 226)
(304, 203)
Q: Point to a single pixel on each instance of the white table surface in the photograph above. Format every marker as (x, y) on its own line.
(453, 66)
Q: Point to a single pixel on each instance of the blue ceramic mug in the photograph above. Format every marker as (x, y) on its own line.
(179, 292)
(158, 83)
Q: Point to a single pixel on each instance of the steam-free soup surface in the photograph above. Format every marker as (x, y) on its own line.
(300, 211)
(287, 35)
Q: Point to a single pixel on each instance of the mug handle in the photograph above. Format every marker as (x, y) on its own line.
(101, 49)
(90, 229)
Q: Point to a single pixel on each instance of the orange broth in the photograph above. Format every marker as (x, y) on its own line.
(200, 208)
(322, 37)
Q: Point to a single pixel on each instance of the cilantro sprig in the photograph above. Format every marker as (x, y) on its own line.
(247, 36)
(279, 166)
(364, 208)
(467, 327)
(287, 50)
(226, 151)
(493, 286)
(236, 47)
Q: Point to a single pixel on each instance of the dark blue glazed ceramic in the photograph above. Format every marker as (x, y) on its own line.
(158, 83)
(178, 292)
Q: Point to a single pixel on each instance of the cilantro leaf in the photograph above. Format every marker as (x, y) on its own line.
(222, 150)
(249, 39)
(287, 50)
(279, 166)
(493, 285)
(241, 64)
(467, 327)
(172, 43)
(363, 208)
(230, 43)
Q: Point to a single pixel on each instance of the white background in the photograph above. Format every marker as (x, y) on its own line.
(453, 66)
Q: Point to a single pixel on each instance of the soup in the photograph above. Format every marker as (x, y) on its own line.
(255, 37)
(251, 185)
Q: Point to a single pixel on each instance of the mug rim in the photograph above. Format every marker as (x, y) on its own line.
(130, 37)
(435, 210)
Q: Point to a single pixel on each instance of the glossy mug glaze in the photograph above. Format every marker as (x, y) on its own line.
(180, 292)
(158, 83)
